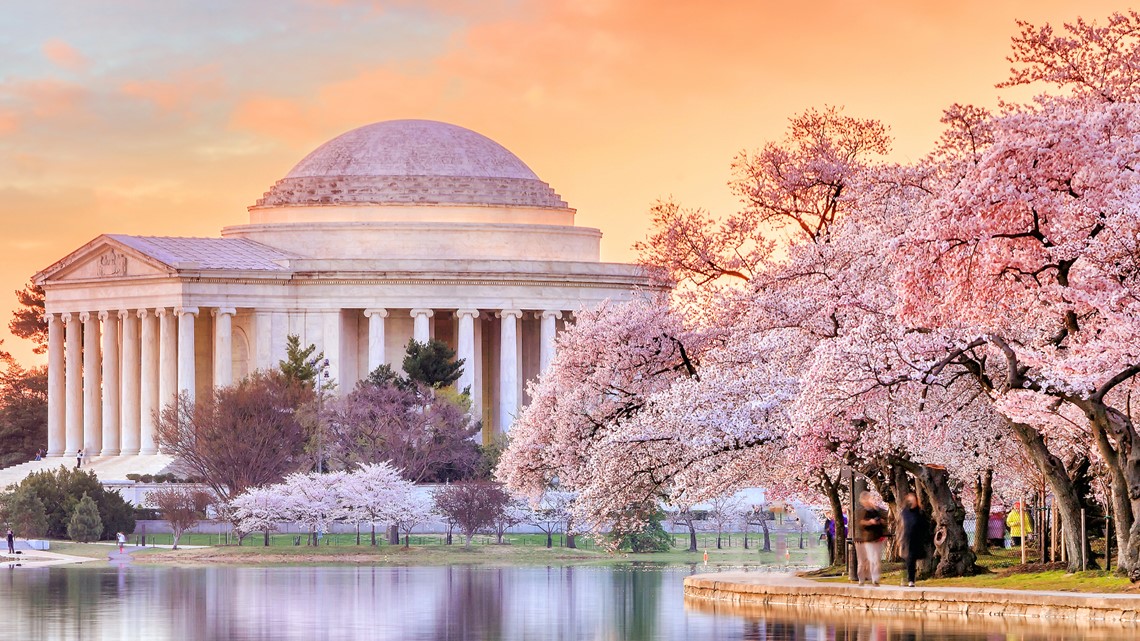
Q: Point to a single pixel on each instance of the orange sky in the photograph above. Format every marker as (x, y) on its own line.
(142, 118)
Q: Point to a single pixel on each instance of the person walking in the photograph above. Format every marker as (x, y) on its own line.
(122, 539)
(872, 533)
(1017, 527)
(915, 534)
(11, 542)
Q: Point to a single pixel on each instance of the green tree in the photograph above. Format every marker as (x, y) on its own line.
(60, 491)
(25, 511)
(648, 536)
(301, 365)
(432, 363)
(384, 376)
(28, 319)
(23, 412)
(85, 525)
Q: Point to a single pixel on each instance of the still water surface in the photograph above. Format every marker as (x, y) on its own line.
(438, 603)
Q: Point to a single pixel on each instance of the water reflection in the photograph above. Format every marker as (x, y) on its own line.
(451, 603)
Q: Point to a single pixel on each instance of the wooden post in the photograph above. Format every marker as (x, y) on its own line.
(1021, 521)
(1108, 534)
(1084, 543)
(1053, 532)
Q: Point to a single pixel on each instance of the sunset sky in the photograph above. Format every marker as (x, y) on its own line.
(171, 118)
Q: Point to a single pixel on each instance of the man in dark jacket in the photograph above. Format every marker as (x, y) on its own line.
(914, 535)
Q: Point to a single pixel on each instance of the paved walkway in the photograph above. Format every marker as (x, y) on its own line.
(758, 588)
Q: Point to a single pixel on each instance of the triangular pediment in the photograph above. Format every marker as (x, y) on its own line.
(103, 259)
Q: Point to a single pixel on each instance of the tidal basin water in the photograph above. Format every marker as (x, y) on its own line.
(455, 603)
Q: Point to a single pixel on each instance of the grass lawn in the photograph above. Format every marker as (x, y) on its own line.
(1003, 569)
(520, 549)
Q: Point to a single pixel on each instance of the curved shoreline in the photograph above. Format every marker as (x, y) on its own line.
(758, 589)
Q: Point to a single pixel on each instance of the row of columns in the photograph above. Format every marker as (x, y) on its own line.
(103, 393)
(465, 349)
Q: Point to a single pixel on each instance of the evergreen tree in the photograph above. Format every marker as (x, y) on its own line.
(301, 365)
(85, 525)
(384, 376)
(432, 363)
(28, 319)
(60, 491)
(23, 412)
(25, 511)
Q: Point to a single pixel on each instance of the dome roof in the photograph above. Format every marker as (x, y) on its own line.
(411, 162)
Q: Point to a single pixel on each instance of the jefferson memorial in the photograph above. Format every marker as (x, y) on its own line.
(396, 230)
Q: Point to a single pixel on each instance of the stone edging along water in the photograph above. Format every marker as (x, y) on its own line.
(746, 588)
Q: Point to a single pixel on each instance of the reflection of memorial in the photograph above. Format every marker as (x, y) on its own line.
(393, 231)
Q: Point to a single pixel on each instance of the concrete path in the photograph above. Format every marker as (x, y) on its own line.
(759, 588)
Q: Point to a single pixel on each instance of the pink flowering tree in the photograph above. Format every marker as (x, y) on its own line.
(373, 494)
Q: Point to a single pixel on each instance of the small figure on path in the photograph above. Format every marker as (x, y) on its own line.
(995, 529)
(39, 455)
(829, 532)
(79, 459)
(915, 534)
(122, 539)
(1017, 527)
(870, 543)
(11, 542)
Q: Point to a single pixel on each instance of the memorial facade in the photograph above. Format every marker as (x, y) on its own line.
(396, 230)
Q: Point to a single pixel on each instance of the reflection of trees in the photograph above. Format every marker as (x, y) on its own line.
(636, 595)
(471, 607)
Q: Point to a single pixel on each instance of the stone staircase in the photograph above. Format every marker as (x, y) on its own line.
(108, 469)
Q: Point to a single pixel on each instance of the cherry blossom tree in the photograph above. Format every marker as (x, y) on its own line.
(373, 494)
(314, 500)
(258, 509)
(414, 509)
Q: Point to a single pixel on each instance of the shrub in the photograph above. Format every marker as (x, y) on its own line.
(60, 491)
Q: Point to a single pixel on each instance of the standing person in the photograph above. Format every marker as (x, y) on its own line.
(995, 529)
(829, 532)
(1017, 527)
(122, 539)
(79, 459)
(873, 531)
(915, 534)
(11, 542)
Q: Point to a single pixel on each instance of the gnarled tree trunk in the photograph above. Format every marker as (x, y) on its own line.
(952, 553)
(831, 489)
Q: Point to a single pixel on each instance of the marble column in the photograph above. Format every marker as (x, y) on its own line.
(376, 337)
(465, 350)
(148, 384)
(223, 346)
(186, 372)
(262, 340)
(508, 367)
(167, 357)
(57, 392)
(92, 385)
(131, 373)
(546, 338)
(421, 330)
(279, 333)
(73, 377)
(110, 373)
(331, 341)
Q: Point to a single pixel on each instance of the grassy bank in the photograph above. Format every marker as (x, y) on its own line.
(1002, 569)
(430, 550)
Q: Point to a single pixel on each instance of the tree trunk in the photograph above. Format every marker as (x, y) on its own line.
(952, 555)
(469, 536)
(357, 535)
(266, 537)
(831, 489)
(767, 538)
(983, 500)
(1068, 503)
(549, 539)
(177, 535)
(718, 540)
(1121, 506)
(692, 539)
(373, 534)
(393, 535)
(570, 542)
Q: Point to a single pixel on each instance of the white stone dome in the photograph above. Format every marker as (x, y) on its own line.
(411, 162)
